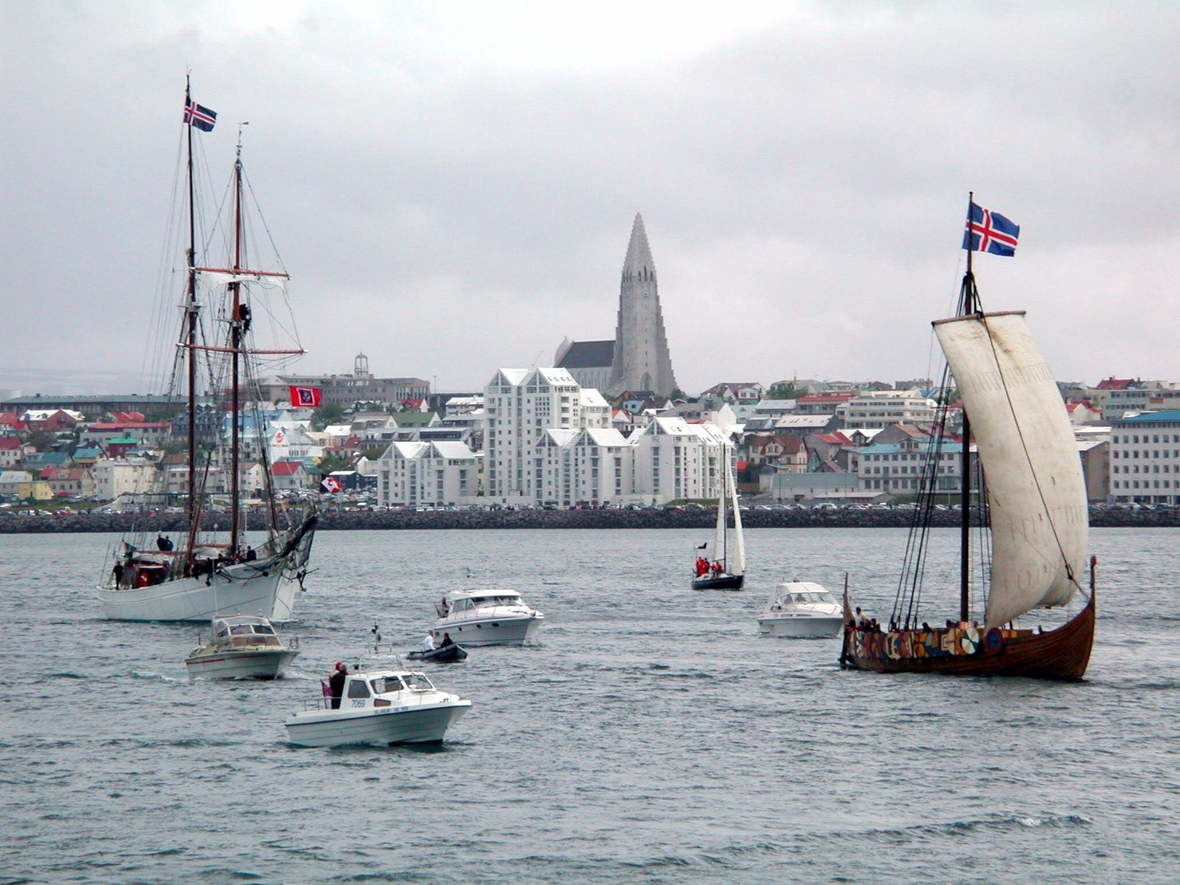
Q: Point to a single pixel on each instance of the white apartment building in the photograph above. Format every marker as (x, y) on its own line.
(877, 408)
(442, 473)
(1145, 458)
(677, 460)
(521, 406)
(589, 466)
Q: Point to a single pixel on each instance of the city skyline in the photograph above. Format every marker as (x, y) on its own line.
(449, 184)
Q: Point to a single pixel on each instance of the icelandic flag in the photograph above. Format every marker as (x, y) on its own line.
(305, 397)
(989, 231)
(201, 117)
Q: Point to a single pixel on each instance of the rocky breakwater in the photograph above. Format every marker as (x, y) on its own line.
(667, 518)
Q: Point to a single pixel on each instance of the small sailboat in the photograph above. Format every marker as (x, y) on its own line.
(727, 570)
(1035, 552)
(205, 576)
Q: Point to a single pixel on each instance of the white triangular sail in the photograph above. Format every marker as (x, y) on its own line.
(720, 549)
(739, 544)
(1036, 492)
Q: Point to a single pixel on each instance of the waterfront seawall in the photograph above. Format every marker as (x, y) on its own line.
(404, 520)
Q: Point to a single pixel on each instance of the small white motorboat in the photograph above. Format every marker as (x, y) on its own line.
(801, 609)
(242, 647)
(487, 617)
(378, 706)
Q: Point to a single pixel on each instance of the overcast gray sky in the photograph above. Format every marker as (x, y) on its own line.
(452, 185)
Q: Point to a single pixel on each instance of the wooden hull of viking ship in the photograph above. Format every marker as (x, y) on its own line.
(1061, 654)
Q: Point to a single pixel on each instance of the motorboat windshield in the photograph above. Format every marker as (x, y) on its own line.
(392, 683)
(810, 597)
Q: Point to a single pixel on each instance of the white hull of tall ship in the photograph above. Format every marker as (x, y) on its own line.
(265, 587)
(391, 707)
(801, 610)
(248, 588)
(489, 617)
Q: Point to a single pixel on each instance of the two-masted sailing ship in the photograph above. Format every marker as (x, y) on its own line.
(1033, 496)
(209, 574)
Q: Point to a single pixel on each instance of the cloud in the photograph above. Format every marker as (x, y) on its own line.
(452, 185)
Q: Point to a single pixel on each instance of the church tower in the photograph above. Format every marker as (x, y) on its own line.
(641, 358)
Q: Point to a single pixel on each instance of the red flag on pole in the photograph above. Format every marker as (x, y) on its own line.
(305, 397)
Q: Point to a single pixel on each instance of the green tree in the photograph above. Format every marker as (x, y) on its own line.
(785, 391)
(328, 413)
(331, 463)
(41, 440)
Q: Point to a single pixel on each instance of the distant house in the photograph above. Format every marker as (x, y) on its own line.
(289, 475)
(785, 451)
(22, 484)
(12, 451)
(69, 482)
(832, 451)
(1082, 413)
(11, 424)
(119, 447)
(38, 461)
(745, 392)
(52, 420)
(85, 457)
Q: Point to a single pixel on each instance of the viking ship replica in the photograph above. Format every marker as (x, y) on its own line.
(208, 575)
(1034, 498)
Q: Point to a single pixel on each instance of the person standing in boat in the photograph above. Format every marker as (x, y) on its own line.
(428, 641)
(443, 608)
(336, 683)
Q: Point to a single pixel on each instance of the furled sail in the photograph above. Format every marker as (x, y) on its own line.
(1036, 492)
(209, 280)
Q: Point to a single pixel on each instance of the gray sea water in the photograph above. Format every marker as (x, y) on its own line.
(648, 735)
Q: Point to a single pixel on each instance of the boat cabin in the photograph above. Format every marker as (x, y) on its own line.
(795, 593)
(383, 689)
(244, 630)
(484, 599)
